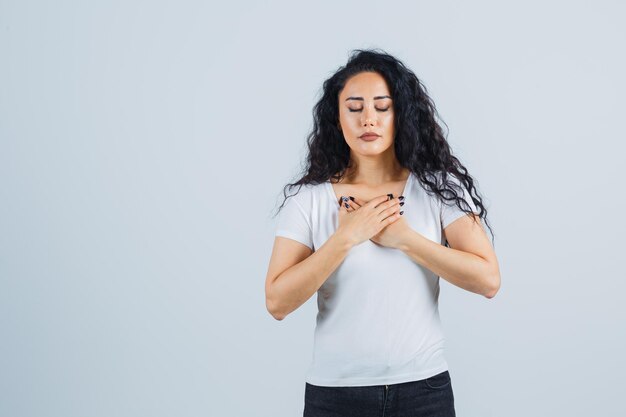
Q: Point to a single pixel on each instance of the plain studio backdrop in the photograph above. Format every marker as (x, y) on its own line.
(144, 149)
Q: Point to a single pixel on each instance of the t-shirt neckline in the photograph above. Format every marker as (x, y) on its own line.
(331, 191)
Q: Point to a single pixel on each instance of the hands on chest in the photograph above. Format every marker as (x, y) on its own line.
(380, 220)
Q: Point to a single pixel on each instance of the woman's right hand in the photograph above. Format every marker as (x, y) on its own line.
(359, 225)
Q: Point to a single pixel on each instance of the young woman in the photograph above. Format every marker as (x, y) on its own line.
(375, 260)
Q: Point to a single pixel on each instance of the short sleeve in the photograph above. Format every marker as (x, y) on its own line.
(449, 210)
(294, 222)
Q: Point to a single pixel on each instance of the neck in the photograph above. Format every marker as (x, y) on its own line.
(376, 170)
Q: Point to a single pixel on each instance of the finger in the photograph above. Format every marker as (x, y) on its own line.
(378, 200)
(389, 203)
(342, 209)
(345, 203)
(355, 202)
(390, 209)
(351, 200)
(392, 218)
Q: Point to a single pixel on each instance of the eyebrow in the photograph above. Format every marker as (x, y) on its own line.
(361, 98)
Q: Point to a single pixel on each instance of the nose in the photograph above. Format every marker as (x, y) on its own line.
(369, 117)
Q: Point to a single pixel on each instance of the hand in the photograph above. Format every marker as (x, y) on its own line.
(390, 235)
(368, 219)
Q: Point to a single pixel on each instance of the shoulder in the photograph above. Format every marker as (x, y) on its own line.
(305, 194)
(440, 183)
(450, 181)
(435, 177)
(449, 177)
(303, 190)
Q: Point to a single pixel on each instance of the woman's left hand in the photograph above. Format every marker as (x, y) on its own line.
(390, 236)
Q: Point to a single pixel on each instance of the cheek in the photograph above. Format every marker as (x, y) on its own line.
(386, 121)
(346, 119)
(351, 122)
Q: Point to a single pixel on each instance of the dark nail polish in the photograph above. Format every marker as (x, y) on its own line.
(347, 205)
(402, 212)
(390, 196)
(401, 198)
(344, 198)
(351, 198)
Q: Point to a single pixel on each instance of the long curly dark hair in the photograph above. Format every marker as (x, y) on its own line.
(420, 144)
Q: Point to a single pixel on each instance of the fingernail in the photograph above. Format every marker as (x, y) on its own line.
(347, 205)
(401, 204)
(390, 196)
(401, 213)
(351, 198)
(344, 198)
(401, 197)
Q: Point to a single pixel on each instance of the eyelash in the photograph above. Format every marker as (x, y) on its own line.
(362, 109)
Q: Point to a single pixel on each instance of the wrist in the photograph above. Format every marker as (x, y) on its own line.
(405, 239)
(342, 240)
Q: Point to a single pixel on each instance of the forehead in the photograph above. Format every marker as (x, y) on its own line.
(366, 85)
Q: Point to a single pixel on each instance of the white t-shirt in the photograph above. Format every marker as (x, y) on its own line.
(378, 319)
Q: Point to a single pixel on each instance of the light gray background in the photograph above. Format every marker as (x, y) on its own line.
(144, 147)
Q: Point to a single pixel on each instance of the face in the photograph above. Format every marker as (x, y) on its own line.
(365, 105)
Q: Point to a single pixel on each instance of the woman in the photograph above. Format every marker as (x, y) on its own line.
(374, 259)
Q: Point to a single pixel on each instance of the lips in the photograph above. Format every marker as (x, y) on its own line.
(369, 137)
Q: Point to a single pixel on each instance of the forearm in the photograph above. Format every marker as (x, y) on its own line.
(463, 269)
(297, 284)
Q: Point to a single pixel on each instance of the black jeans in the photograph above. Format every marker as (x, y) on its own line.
(428, 397)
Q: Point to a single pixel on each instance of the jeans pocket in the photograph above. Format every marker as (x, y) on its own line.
(439, 381)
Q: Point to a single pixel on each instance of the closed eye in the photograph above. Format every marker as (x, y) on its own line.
(356, 110)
